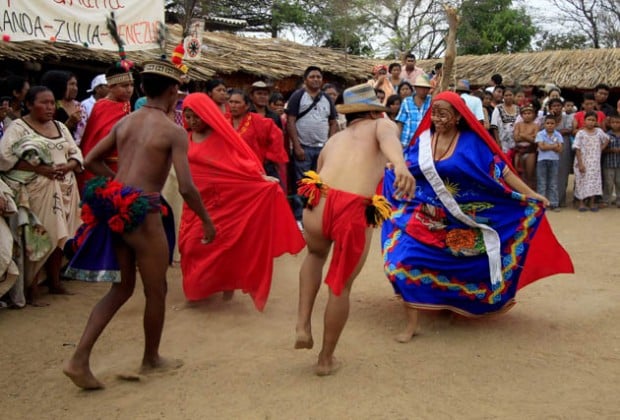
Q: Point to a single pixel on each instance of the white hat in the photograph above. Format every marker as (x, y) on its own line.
(97, 81)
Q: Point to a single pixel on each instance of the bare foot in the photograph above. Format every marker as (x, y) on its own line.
(304, 340)
(326, 368)
(228, 295)
(405, 336)
(83, 378)
(161, 366)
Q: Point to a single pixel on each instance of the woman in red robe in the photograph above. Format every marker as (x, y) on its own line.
(249, 209)
(262, 134)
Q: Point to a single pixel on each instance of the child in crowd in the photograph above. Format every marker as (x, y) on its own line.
(569, 108)
(525, 134)
(589, 143)
(549, 142)
(588, 105)
(611, 161)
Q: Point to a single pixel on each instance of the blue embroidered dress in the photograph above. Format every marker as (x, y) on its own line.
(461, 242)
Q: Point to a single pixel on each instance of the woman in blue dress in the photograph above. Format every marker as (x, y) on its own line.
(474, 233)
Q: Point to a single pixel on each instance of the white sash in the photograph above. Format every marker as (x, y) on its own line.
(490, 236)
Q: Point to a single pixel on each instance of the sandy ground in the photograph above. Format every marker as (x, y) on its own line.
(556, 355)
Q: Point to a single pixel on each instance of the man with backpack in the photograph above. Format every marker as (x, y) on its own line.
(312, 119)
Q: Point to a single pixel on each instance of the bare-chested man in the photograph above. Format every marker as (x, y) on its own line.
(341, 209)
(147, 143)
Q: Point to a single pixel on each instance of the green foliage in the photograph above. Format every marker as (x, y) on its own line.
(493, 26)
(570, 41)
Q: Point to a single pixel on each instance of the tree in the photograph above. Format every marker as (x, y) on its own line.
(410, 25)
(598, 20)
(493, 26)
(570, 41)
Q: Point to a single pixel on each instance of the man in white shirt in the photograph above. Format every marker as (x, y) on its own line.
(98, 89)
(473, 103)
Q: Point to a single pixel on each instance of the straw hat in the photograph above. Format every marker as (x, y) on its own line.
(166, 69)
(422, 81)
(360, 98)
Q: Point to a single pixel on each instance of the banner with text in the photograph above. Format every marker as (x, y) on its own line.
(83, 22)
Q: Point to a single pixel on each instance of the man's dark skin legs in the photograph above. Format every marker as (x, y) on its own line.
(147, 248)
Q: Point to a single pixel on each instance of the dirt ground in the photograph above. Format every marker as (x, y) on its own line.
(555, 355)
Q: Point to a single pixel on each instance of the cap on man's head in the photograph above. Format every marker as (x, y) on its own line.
(422, 80)
(463, 86)
(360, 98)
(97, 81)
(259, 85)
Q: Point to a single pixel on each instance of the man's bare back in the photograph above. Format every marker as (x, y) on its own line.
(144, 153)
(352, 160)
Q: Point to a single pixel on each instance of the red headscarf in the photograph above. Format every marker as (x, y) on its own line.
(461, 107)
(209, 112)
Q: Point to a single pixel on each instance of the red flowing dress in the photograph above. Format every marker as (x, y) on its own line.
(252, 217)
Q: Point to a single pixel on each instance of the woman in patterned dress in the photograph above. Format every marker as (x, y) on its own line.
(39, 158)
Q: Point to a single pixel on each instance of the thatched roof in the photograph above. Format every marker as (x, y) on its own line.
(277, 59)
(225, 54)
(571, 69)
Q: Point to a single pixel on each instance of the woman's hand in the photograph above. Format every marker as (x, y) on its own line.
(403, 182)
(544, 199)
(271, 178)
(63, 168)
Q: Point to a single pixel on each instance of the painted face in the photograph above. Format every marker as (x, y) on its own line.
(443, 116)
(260, 97)
(314, 80)
(219, 94)
(72, 89)
(194, 122)
(43, 107)
(238, 107)
(121, 92)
